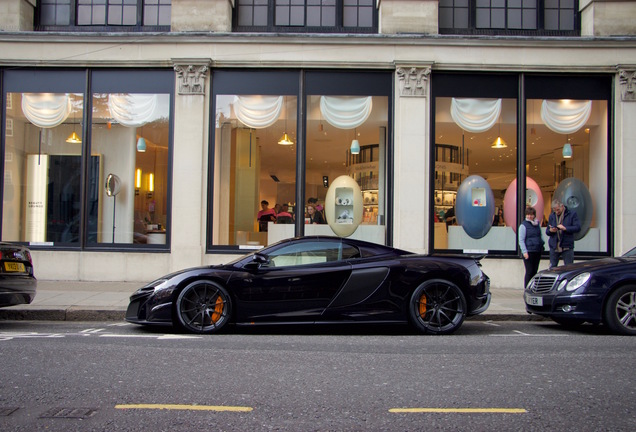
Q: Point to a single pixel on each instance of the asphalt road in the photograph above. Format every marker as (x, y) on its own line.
(64, 376)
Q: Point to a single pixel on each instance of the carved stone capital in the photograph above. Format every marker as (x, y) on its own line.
(191, 77)
(413, 80)
(627, 80)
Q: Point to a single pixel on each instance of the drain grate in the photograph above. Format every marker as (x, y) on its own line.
(69, 413)
(5, 412)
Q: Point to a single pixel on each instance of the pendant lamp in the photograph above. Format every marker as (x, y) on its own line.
(285, 138)
(74, 138)
(567, 149)
(141, 145)
(499, 143)
(141, 141)
(355, 144)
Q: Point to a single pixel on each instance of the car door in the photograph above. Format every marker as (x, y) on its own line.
(296, 284)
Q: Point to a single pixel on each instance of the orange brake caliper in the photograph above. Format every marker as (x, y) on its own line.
(218, 309)
(423, 305)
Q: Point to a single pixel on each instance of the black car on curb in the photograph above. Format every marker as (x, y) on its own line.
(17, 281)
(318, 280)
(601, 291)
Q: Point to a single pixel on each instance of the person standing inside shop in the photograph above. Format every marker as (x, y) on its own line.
(562, 225)
(530, 243)
(265, 215)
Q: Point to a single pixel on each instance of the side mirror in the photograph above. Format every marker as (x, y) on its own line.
(261, 259)
(258, 260)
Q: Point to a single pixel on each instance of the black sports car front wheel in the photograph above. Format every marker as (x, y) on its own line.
(203, 307)
(620, 310)
(437, 307)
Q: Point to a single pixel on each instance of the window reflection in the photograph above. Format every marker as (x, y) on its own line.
(42, 167)
(130, 135)
(255, 163)
(474, 137)
(346, 136)
(566, 147)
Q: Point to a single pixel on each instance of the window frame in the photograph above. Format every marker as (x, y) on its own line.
(527, 87)
(272, 28)
(540, 20)
(74, 27)
(301, 84)
(82, 81)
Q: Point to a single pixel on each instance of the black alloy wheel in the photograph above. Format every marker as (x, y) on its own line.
(203, 307)
(620, 310)
(437, 307)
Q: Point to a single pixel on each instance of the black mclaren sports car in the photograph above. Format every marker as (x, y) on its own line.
(601, 291)
(318, 280)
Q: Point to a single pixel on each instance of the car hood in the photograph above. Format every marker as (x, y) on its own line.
(200, 269)
(604, 263)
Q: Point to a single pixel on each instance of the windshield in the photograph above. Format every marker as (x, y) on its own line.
(630, 253)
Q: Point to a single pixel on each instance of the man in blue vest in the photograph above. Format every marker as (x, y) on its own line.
(562, 225)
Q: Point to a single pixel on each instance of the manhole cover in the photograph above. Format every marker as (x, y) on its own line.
(4, 412)
(69, 413)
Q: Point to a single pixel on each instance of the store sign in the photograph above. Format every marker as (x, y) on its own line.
(37, 173)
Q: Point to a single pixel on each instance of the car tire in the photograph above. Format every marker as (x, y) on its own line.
(203, 307)
(437, 307)
(620, 310)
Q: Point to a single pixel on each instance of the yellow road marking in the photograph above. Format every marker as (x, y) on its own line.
(184, 407)
(460, 410)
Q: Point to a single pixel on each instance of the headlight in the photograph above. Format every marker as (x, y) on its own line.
(562, 285)
(152, 286)
(578, 282)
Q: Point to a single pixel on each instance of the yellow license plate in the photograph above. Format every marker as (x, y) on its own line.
(14, 267)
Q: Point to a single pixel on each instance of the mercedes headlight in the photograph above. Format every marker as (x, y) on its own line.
(578, 282)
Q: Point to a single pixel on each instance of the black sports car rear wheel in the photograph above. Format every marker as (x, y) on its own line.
(437, 307)
(203, 307)
(620, 310)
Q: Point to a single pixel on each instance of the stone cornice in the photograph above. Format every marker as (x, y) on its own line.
(318, 39)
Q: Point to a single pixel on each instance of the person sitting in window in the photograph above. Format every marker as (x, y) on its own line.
(264, 216)
(284, 216)
(315, 217)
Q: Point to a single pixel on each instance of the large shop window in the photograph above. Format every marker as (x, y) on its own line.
(480, 169)
(119, 163)
(263, 151)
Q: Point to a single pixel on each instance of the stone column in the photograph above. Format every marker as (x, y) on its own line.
(408, 16)
(190, 155)
(607, 17)
(17, 15)
(412, 162)
(625, 160)
(201, 15)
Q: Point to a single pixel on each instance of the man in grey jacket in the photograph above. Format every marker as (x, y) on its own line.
(562, 225)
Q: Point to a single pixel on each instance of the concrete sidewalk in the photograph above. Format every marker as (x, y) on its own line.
(107, 301)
